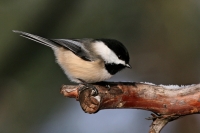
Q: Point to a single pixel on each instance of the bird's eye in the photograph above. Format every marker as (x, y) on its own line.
(119, 56)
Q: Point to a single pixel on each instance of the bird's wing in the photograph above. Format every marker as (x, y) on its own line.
(75, 46)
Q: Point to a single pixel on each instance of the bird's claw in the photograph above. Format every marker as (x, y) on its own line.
(89, 86)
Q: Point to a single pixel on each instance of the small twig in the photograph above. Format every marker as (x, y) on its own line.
(157, 125)
(159, 121)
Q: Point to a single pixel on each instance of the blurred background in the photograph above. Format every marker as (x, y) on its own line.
(163, 38)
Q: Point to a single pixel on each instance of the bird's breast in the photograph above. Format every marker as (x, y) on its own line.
(76, 68)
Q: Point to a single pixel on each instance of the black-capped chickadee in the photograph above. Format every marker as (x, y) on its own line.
(86, 60)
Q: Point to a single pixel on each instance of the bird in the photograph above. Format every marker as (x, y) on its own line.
(86, 60)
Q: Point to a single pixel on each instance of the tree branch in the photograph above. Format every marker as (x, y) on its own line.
(167, 104)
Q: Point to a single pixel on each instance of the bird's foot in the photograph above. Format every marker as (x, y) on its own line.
(88, 86)
(108, 87)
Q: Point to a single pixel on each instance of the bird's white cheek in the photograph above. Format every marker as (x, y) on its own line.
(106, 53)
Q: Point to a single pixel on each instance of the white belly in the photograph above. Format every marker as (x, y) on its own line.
(76, 68)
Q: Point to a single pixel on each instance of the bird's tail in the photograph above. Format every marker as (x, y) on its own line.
(38, 39)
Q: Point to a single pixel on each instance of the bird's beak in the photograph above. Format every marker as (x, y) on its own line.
(128, 65)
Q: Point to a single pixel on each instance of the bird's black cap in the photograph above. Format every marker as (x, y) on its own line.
(118, 48)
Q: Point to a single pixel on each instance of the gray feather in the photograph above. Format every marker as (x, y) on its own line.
(73, 45)
(38, 39)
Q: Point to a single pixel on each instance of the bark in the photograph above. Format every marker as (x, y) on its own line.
(166, 104)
